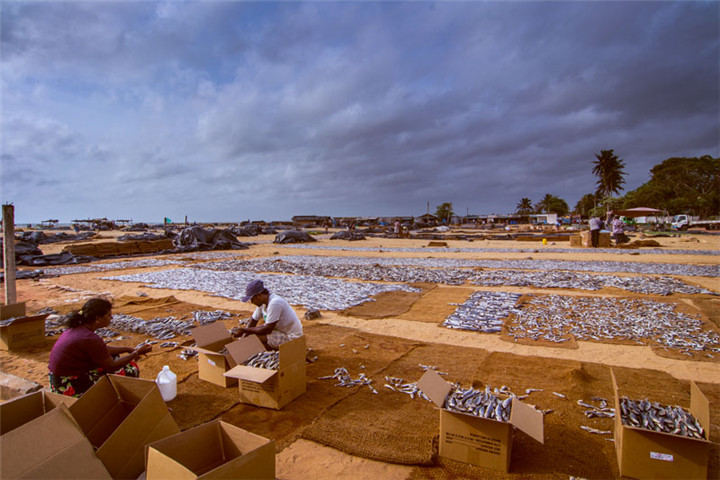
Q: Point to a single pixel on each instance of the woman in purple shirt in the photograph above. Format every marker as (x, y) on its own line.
(80, 357)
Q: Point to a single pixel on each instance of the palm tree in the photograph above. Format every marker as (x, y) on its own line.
(546, 203)
(524, 207)
(609, 170)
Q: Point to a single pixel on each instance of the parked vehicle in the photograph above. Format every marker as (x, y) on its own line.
(683, 222)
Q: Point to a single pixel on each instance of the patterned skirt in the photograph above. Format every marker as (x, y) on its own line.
(76, 385)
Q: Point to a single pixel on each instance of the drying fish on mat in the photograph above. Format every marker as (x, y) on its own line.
(483, 312)
(597, 411)
(660, 418)
(554, 317)
(187, 353)
(101, 267)
(595, 431)
(399, 385)
(203, 317)
(544, 265)
(304, 290)
(345, 380)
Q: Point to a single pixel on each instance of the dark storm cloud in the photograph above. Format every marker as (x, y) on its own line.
(267, 110)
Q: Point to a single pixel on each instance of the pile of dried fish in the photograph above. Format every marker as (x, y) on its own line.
(530, 264)
(660, 418)
(481, 403)
(399, 385)
(203, 317)
(483, 312)
(597, 411)
(100, 267)
(162, 328)
(643, 251)
(376, 272)
(583, 281)
(269, 359)
(345, 379)
(553, 317)
(187, 353)
(308, 291)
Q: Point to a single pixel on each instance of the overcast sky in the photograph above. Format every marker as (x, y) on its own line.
(229, 110)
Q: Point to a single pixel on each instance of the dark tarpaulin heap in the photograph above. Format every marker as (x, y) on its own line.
(348, 235)
(196, 238)
(293, 236)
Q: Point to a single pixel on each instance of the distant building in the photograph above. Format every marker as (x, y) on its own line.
(310, 220)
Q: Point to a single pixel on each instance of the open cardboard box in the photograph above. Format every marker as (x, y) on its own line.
(644, 453)
(265, 387)
(120, 415)
(19, 411)
(213, 450)
(479, 441)
(49, 446)
(24, 331)
(212, 364)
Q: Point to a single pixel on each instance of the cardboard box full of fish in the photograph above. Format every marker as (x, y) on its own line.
(476, 426)
(269, 378)
(662, 441)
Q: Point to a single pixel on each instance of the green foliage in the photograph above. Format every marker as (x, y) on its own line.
(552, 204)
(609, 170)
(444, 212)
(586, 204)
(681, 185)
(524, 206)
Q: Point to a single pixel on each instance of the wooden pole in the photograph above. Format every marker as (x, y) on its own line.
(8, 215)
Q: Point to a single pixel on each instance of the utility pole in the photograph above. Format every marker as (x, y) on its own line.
(8, 216)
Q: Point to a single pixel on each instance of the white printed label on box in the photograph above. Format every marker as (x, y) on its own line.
(661, 456)
(211, 362)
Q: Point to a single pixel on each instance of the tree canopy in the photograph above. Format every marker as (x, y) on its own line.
(524, 206)
(552, 204)
(610, 172)
(444, 212)
(681, 185)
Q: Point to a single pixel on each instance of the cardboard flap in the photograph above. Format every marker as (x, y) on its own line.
(700, 407)
(21, 410)
(435, 387)
(244, 348)
(205, 351)
(209, 334)
(526, 418)
(12, 310)
(259, 375)
(20, 320)
(291, 352)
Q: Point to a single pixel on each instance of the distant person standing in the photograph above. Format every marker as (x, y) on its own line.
(397, 228)
(595, 226)
(618, 230)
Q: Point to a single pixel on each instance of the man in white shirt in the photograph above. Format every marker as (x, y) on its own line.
(280, 323)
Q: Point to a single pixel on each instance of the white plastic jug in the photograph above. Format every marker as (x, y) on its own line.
(167, 383)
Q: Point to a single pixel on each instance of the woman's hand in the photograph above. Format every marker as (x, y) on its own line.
(144, 349)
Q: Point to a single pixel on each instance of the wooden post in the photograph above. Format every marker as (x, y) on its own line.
(8, 215)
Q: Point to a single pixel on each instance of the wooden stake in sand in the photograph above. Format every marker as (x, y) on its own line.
(8, 216)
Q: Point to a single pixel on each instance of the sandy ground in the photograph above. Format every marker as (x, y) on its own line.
(306, 459)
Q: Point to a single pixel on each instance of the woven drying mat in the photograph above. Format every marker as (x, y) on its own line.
(391, 426)
(437, 304)
(388, 304)
(198, 401)
(285, 425)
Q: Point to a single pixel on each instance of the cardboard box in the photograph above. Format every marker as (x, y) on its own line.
(645, 453)
(19, 411)
(265, 387)
(120, 415)
(603, 240)
(212, 364)
(479, 441)
(49, 446)
(23, 332)
(212, 450)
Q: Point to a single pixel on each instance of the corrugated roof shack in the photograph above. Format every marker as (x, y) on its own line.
(310, 221)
